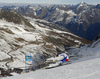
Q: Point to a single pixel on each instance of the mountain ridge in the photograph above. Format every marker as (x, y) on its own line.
(76, 18)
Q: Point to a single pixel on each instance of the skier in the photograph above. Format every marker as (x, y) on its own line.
(59, 59)
(66, 58)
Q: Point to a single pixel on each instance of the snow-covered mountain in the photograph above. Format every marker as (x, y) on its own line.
(86, 52)
(81, 19)
(20, 34)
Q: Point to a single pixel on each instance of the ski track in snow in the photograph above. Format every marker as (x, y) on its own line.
(81, 70)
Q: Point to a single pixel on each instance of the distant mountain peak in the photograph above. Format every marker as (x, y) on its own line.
(82, 3)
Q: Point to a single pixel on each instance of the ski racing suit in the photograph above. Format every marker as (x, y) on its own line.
(66, 58)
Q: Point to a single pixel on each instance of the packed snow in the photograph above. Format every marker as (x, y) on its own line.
(89, 69)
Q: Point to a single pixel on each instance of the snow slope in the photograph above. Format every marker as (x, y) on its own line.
(89, 69)
(86, 52)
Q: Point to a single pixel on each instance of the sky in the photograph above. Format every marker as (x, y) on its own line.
(51, 1)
